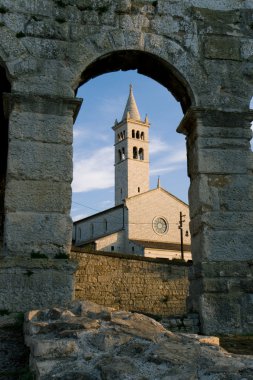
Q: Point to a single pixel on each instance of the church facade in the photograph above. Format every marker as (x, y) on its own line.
(152, 223)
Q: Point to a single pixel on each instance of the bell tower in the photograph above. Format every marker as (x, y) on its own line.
(131, 152)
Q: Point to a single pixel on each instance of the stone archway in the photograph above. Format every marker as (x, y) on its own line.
(213, 177)
(47, 50)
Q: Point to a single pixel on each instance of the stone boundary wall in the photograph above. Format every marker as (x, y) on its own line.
(151, 286)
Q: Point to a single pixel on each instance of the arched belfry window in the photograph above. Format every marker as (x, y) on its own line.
(123, 154)
(142, 135)
(133, 133)
(135, 152)
(118, 137)
(137, 134)
(120, 155)
(141, 154)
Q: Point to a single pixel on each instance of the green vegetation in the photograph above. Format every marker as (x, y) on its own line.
(3, 9)
(37, 255)
(20, 35)
(61, 256)
(28, 273)
(102, 9)
(23, 374)
(4, 312)
(61, 3)
(60, 20)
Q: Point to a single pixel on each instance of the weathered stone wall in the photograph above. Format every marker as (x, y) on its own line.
(137, 284)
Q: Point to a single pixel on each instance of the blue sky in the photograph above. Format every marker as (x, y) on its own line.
(104, 100)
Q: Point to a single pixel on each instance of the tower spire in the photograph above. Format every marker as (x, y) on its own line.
(131, 109)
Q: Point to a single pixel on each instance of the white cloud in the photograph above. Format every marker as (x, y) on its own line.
(95, 171)
(158, 146)
(170, 162)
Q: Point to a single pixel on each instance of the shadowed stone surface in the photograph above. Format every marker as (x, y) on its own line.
(94, 342)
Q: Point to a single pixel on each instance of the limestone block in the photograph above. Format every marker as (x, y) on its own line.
(39, 161)
(38, 196)
(222, 245)
(123, 6)
(12, 48)
(55, 349)
(43, 8)
(220, 161)
(218, 22)
(220, 312)
(223, 221)
(45, 48)
(220, 4)
(57, 29)
(41, 127)
(34, 283)
(202, 196)
(28, 232)
(219, 47)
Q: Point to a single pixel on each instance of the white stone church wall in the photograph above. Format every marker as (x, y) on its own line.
(112, 243)
(143, 209)
(99, 225)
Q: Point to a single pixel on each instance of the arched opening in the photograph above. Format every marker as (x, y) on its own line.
(141, 154)
(124, 63)
(5, 87)
(164, 73)
(179, 89)
(123, 154)
(134, 152)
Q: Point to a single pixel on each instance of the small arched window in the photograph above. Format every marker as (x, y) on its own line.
(135, 152)
(137, 134)
(139, 189)
(141, 154)
(121, 136)
(120, 155)
(133, 133)
(118, 137)
(142, 135)
(123, 154)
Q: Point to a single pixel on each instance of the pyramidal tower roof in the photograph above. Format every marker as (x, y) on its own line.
(131, 109)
